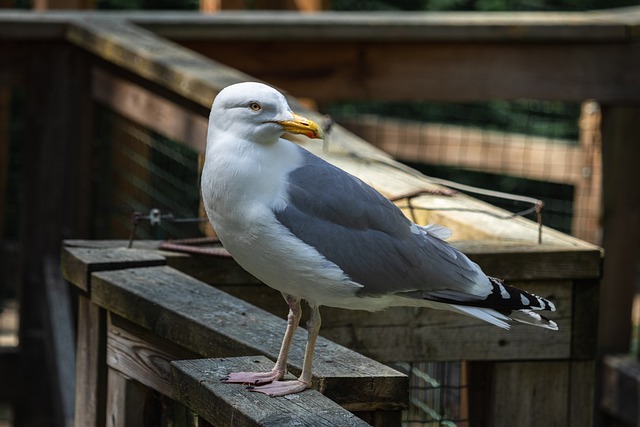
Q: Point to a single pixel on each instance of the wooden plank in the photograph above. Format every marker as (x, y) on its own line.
(125, 401)
(91, 373)
(5, 110)
(60, 342)
(587, 199)
(473, 148)
(154, 58)
(529, 393)
(142, 356)
(584, 323)
(170, 304)
(149, 110)
(9, 374)
(464, 71)
(582, 399)
(196, 383)
(621, 228)
(396, 26)
(79, 262)
(621, 388)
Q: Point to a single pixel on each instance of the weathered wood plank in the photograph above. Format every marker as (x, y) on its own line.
(10, 374)
(196, 383)
(150, 110)
(154, 58)
(471, 148)
(141, 355)
(621, 388)
(530, 393)
(125, 401)
(464, 71)
(61, 342)
(581, 400)
(91, 372)
(621, 227)
(79, 262)
(213, 324)
(415, 26)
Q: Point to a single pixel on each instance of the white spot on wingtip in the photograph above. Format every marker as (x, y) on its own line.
(524, 300)
(503, 291)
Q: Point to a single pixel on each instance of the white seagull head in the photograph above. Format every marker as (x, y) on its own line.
(258, 113)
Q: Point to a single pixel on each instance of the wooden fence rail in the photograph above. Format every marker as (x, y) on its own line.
(147, 322)
(575, 163)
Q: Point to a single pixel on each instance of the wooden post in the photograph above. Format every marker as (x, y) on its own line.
(90, 365)
(621, 227)
(587, 199)
(55, 205)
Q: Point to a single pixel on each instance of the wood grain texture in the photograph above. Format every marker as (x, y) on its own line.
(91, 374)
(141, 355)
(197, 384)
(79, 262)
(211, 323)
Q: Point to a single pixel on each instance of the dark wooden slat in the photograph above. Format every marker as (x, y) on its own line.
(10, 389)
(621, 388)
(621, 225)
(60, 342)
(196, 384)
(211, 323)
(91, 373)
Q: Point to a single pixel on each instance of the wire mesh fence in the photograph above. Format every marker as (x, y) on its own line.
(137, 171)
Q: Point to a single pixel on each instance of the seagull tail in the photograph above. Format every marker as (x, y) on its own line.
(487, 314)
(501, 320)
(530, 317)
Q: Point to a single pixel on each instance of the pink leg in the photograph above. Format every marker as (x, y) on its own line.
(278, 371)
(282, 388)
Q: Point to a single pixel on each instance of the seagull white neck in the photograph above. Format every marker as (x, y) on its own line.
(234, 185)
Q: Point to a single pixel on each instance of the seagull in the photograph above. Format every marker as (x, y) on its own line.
(316, 233)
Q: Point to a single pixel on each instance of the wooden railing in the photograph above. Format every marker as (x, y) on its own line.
(69, 61)
(142, 325)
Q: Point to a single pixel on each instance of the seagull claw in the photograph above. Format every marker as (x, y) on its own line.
(253, 378)
(280, 388)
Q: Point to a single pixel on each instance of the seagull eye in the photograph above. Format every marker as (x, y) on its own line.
(255, 106)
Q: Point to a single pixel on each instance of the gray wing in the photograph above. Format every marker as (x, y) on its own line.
(369, 238)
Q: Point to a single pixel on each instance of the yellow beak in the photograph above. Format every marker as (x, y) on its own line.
(303, 126)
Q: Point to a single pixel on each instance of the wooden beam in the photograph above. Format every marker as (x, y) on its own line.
(621, 226)
(79, 262)
(196, 383)
(60, 343)
(10, 389)
(586, 223)
(621, 388)
(442, 71)
(149, 110)
(91, 370)
(155, 298)
(125, 401)
(525, 156)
